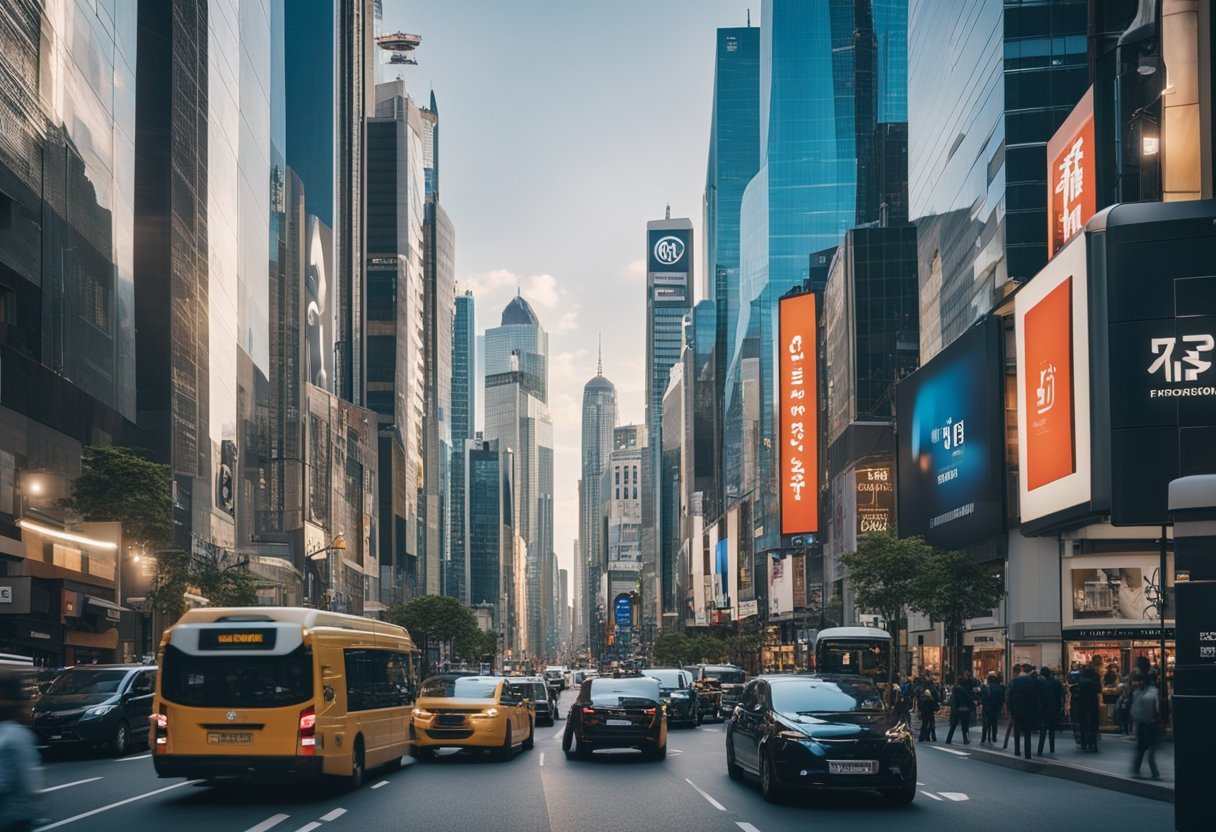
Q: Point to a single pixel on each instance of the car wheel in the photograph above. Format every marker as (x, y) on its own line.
(768, 783)
(732, 768)
(355, 780)
(902, 796)
(530, 742)
(504, 753)
(121, 741)
(567, 739)
(656, 754)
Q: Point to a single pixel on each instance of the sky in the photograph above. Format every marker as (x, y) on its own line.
(565, 125)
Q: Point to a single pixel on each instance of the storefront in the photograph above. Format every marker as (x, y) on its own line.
(987, 652)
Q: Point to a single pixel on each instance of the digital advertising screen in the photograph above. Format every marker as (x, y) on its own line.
(798, 411)
(951, 443)
(669, 251)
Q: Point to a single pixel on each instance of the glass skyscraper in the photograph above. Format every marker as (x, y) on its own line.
(599, 421)
(463, 413)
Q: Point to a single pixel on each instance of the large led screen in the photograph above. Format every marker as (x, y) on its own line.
(951, 443)
(799, 415)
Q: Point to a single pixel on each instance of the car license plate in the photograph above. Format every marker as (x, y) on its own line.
(622, 722)
(852, 766)
(450, 719)
(229, 738)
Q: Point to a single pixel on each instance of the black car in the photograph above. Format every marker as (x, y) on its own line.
(538, 693)
(97, 705)
(675, 688)
(820, 732)
(617, 713)
(718, 687)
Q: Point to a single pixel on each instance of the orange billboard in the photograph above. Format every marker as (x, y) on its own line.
(1072, 185)
(798, 404)
(1048, 380)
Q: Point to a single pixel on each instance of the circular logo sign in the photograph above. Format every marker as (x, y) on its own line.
(669, 250)
(230, 716)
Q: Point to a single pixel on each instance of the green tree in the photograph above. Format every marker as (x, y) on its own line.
(742, 649)
(884, 574)
(434, 620)
(121, 484)
(952, 588)
(672, 649)
(166, 596)
(706, 649)
(223, 580)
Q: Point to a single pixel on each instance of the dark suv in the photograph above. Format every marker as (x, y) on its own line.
(718, 687)
(97, 705)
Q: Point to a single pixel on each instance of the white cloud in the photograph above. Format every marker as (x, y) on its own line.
(494, 289)
(636, 271)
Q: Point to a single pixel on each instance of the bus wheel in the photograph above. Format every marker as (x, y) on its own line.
(356, 766)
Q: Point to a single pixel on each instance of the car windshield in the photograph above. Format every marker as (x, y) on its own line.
(622, 692)
(80, 682)
(668, 679)
(726, 675)
(820, 696)
(466, 687)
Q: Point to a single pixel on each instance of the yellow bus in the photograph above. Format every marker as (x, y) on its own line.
(281, 693)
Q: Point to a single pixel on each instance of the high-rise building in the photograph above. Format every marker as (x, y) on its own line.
(517, 415)
(395, 329)
(463, 413)
(669, 297)
(980, 115)
(621, 486)
(599, 421)
(563, 609)
(734, 158)
(439, 292)
(489, 545)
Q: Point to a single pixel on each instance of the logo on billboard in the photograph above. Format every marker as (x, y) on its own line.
(1045, 393)
(1174, 371)
(1072, 181)
(669, 250)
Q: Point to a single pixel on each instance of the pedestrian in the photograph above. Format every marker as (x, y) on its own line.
(20, 773)
(1146, 713)
(1085, 694)
(1123, 706)
(927, 703)
(1024, 707)
(992, 698)
(961, 703)
(1051, 707)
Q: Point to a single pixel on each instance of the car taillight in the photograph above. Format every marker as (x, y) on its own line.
(649, 711)
(160, 729)
(589, 711)
(308, 731)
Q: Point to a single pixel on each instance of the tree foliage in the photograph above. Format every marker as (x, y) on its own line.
(434, 620)
(120, 484)
(884, 574)
(224, 581)
(952, 588)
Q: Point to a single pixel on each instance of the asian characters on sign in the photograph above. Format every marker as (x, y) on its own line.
(1190, 363)
(875, 499)
(1071, 176)
(799, 415)
(1050, 443)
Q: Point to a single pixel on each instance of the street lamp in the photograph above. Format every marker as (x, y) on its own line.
(312, 559)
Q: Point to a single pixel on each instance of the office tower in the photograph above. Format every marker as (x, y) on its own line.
(396, 330)
(669, 297)
(439, 291)
(517, 415)
(563, 609)
(621, 487)
(734, 157)
(463, 413)
(489, 550)
(599, 421)
(979, 120)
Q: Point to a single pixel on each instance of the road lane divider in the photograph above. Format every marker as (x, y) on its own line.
(334, 815)
(50, 789)
(957, 797)
(930, 794)
(705, 795)
(308, 827)
(380, 785)
(92, 812)
(269, 823)
(745, 826)
(542, 758)
(950, 751)
(130, 759)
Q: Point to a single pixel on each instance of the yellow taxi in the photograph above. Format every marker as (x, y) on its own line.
(475, 712)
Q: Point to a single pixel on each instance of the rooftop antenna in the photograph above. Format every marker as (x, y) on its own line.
(599, 367)
(749, 18)
(669, 210)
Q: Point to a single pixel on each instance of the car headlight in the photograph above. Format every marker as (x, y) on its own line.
(100, 710)
(488, 713)
(422, 713)
(793, 736)
(897, 734)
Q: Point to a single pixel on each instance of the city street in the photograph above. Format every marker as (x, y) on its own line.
(541, 790)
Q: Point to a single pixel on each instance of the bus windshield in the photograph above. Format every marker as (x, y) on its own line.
(864, 658)
(235, 681)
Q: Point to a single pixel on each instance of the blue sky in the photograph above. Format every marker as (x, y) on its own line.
(565, 126)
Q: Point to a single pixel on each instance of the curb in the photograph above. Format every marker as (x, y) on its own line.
(1062, 771)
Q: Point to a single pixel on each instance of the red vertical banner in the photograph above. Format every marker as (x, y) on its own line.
(1072, 178)
(1050, 435)
(798, 408)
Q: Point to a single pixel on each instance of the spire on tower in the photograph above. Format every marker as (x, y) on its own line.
(599, 366)
(668, 210)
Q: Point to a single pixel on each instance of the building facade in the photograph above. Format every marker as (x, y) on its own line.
(464, 412)
(599, 422)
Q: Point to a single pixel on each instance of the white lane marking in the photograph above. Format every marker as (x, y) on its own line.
(107, 808)
(542, 758)
(49, 789)
(701, 792)
(919, 783)
(746, 827)
(955, 796)
(308, 827)
(272, 821)
(129, 759)
(950, 751)
(380, 785)
(334, 815)
(930, 794)
(675, 751)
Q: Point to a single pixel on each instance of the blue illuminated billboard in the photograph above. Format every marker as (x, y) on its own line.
(623, 611)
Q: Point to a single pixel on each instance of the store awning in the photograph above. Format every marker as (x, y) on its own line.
(104, 605)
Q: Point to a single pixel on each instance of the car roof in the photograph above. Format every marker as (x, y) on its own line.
(817, 677)
(110, 667)
(530, 679)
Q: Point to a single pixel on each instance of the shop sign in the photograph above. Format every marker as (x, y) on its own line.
(1072, 186)
(1116, 634)
(15, 596)
(875, 499)
(799, 414)
(748, 608)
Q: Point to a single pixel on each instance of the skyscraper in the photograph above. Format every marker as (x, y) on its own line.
(439, 291)
(488, 551)
(599, 421)
(622, 486)
(517, 415)
(464, 410)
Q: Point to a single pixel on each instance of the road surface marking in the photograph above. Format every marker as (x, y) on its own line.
(701, 792)
(381, 784)
(746, 827)
(676, 751)
(950, 751)
(955, 796)
(308, 827)
(334, 815)
(542, 758)
(919, 783)
(107, 808)
(930, 794)
(273, 820)
(129, 759)
(67, 785)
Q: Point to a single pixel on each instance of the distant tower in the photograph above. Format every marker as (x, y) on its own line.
(599, 421)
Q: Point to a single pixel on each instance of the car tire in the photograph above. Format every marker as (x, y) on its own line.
(504, 753)
(903, 796)
(567, 740)
(656, 754)
(732, 768)
(357, 763)
(530, 742)
(768, 783)
(120, 742)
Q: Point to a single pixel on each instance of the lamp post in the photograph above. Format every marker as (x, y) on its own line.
(311, 561)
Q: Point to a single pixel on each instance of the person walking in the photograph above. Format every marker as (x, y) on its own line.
(1085, 695)
(1024, 707)
(961, 703)
(992, 699)
(927, 703)
(1051, 708)
(1146, 714)
(20, 773)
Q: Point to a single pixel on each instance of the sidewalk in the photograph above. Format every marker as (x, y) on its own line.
(1110, 768)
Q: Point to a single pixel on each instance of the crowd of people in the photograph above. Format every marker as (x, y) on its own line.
(1037, 701)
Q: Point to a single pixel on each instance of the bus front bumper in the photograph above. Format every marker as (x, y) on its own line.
(213, 767)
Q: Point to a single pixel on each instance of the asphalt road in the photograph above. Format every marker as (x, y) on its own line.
(613, 792)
